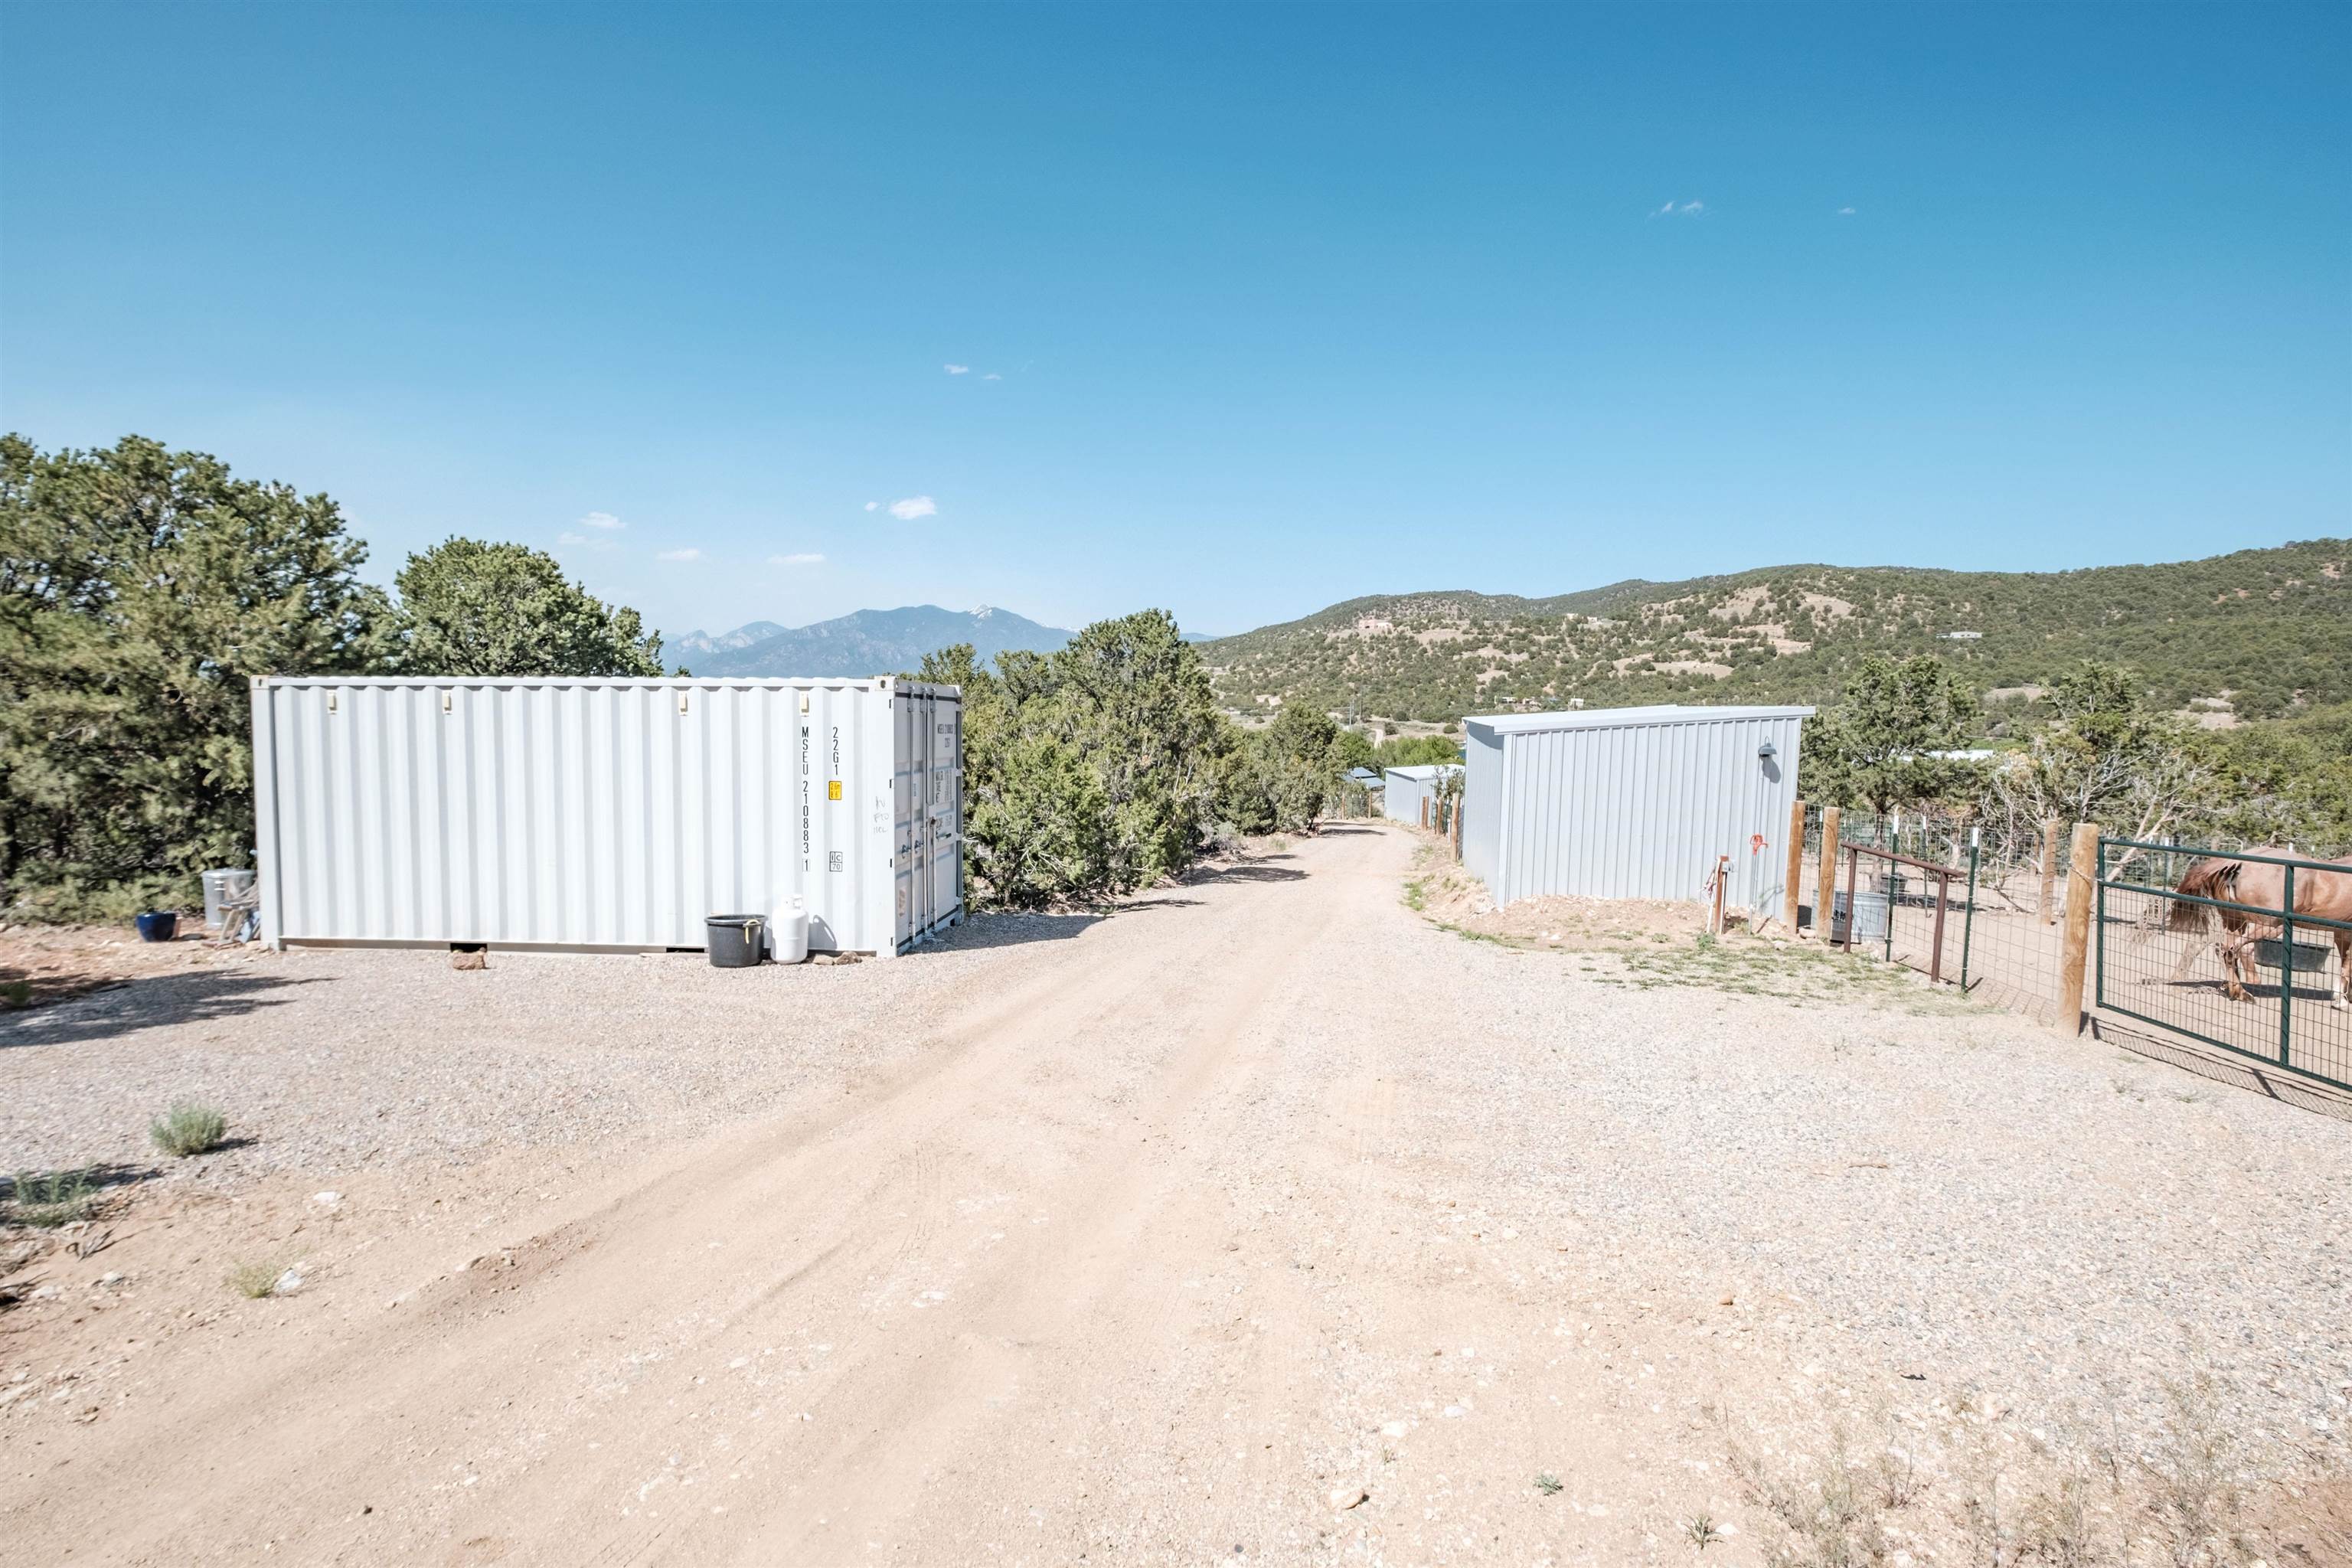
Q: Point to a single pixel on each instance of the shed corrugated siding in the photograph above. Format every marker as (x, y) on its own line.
(1399, 798)
(1482, 802)
(1404, 791)
(589, 812)
(1641, 812)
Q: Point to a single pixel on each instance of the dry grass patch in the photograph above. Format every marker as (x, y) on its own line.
(256, 1281)
(2000, 1492)
(48, 1201)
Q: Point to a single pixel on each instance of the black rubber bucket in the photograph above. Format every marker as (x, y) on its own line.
(735, 941)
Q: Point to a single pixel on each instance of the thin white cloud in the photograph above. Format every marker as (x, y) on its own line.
(582, 541)
(1845, 212)
(603, 520)
(805, 558)
(679, 555)
(992, 375)
(913, 507)
(874, 506)
(958, 369)
(1680, 209)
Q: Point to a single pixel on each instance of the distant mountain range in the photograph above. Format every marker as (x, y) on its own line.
(869, 642)
(2254, 634)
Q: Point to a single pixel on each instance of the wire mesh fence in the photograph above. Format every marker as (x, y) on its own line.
(2255, 964)
(1979, 904)
(2252, 960)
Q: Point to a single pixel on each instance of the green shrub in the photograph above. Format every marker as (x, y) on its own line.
(188, 1129)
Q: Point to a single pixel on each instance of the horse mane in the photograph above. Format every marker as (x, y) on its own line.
(2211, 877)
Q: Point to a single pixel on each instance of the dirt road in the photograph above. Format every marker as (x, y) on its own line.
(1199, 1235)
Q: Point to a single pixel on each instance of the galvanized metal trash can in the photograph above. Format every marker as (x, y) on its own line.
(224, 886)
(605, 813)
(1869, 917)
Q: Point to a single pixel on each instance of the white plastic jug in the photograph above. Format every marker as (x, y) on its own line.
(788, 933)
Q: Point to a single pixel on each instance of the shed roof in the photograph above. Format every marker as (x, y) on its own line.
(1426, 770)
(1626, 717)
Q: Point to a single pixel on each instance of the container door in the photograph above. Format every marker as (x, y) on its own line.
(918, 711)
(945, 811)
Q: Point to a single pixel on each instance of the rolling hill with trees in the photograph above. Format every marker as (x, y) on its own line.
(2260, 633)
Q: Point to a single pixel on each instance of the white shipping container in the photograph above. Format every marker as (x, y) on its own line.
(605, 813)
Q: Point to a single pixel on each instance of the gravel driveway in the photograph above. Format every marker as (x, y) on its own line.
(1264, 1218)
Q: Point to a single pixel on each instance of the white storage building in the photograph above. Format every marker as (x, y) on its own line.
(605, 813)
(1405, 790)
(1632, 803)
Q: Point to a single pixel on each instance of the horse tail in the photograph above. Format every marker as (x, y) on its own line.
(2205, 879)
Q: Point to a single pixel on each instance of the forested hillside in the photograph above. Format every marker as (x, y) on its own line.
(2263, 632)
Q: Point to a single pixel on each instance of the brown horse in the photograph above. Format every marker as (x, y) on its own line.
(2261, 885)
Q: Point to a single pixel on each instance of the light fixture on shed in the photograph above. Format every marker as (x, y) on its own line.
(1766, 752)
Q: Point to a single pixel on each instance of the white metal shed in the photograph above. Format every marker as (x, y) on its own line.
(603, 813)
(1631, 802)
(1404, 790)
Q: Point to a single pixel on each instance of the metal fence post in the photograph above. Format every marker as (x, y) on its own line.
(1886, 891)
(2286, 971)
(1969, 914)
(1943, 899)
(1852, 875)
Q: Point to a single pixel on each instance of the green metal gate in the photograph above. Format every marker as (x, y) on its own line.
(2162, 955)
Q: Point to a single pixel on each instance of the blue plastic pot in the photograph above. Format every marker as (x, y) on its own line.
(158, 926)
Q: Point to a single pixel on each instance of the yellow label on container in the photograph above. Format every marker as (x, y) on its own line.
(833, 789)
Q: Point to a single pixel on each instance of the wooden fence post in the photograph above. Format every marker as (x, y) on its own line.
(1826, 899)
(1458, 828)
(1425, 811)
(2082, 897)
(2049, 872)
(1796, 867)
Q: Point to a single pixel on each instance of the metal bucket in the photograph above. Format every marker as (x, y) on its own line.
(1868, 918)
(2310, 957)
(222, 887)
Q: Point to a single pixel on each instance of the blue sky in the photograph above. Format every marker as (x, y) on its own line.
(1261, 307)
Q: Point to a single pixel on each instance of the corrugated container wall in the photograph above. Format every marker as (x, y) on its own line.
(1634, 803)
(605, 813)
(1404, 790)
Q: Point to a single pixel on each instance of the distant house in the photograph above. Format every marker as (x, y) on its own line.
(1963, 636)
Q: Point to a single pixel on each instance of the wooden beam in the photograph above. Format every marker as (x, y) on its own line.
(1826, 899)
(2082, 896)
(2050, 871)
(1795, 894)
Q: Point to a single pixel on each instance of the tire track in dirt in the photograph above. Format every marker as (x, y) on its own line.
(764, 1230)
